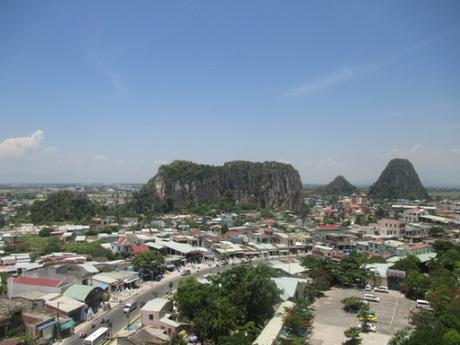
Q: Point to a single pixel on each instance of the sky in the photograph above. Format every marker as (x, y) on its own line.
(107, 91)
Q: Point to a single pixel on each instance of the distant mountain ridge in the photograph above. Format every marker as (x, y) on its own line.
(399, 180)
(338, 186)
(184, 183)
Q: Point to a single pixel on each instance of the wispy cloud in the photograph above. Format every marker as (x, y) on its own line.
(107, 71)
(15, 147)
(348, 73)
(99, 157)
(338, 77)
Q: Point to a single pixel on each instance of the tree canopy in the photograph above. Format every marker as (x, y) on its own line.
(151, 260)
(439, 282)
(347, 272)
(235, 301)
(63, 206)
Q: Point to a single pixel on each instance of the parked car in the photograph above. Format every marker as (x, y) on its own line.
(367, 315)
(367, 327)
(158, 278)
(368, 287)
(381, 289)
(371, 298)
(185, 272)
(422, 304)
(129, 307)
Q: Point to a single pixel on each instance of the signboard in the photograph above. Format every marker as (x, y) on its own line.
(396, 273)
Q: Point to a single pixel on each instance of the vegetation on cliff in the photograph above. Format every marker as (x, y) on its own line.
(184, 184)
(399, 180)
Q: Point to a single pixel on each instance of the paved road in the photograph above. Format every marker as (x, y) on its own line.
(119, 319)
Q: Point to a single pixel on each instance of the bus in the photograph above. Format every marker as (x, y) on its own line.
(99, 336)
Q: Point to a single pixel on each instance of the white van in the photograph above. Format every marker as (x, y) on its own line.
(129, 307)
(381, 289)
(422, 304)
(371, 298)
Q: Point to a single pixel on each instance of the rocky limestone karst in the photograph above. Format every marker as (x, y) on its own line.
(183, 183)
(399, 180)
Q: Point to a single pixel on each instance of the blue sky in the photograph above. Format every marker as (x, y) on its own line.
(106, 91)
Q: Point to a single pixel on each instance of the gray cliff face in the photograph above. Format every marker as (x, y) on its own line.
(269, 184)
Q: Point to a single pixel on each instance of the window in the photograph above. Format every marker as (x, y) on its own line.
(150, 316)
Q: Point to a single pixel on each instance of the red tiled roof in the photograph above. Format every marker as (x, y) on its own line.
(38, 281)
(329, 227)
(233, 233)
(121, 240)
(140, 248)
(415, 246)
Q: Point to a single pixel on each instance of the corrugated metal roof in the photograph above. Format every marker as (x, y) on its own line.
(156, 304)
(79, 292)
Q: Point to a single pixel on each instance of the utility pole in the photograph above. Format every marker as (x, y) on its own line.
(59, 326)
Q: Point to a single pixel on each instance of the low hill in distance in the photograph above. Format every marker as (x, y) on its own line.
(63, 206)
(338, 186)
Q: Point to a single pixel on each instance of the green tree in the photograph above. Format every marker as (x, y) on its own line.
(63, 206)
(353, 336)
(45, 232)
(407, 264)
(251, 290)
(52, 246)
(436, 231)
(3, 283)
(299, 318)
(400, 337)
(421, 319)
(451, 337)
(352, 304)
(233, 306)
(93, 249)
(150, 260)
(376, 259)
(176, 339)
(415, 285)
(190, 297)
(216, 321)
(2, 220)
(427, 336)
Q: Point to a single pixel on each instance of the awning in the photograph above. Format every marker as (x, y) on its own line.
(209, 255)
(68, 324)
(132, 280)
(102, 285)
(46, 324)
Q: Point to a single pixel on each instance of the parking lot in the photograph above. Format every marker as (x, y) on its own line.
(331, 320)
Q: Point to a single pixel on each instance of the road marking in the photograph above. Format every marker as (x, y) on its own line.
(394, 313)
